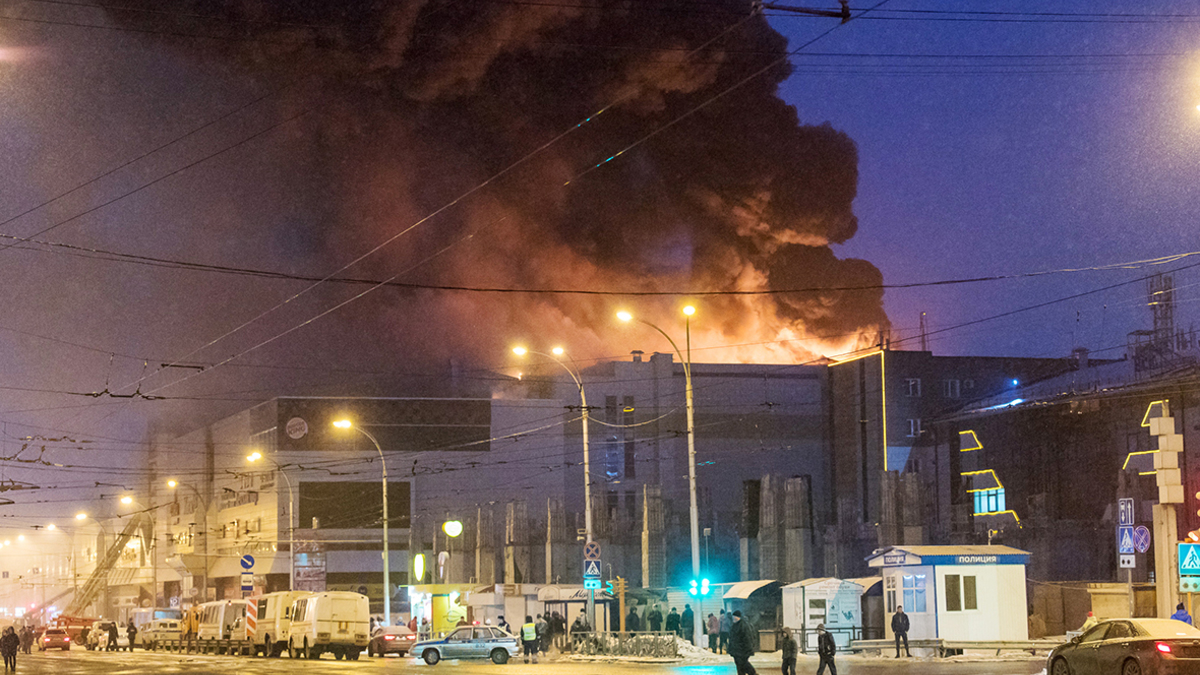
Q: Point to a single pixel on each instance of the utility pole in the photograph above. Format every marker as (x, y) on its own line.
(843, 13)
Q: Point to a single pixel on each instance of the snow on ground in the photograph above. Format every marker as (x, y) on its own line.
(691, 655)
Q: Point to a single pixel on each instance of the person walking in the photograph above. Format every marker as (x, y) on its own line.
(713, 629)
(826, 648)
(112, 638)
(900, 628)
(687, 624)
(131, 631)
(10, 642)
(741, 645)
(673, 621)
(726, 627)
(26, 636)
(529, 639)
(788, 646)
(654, 619)
(543, 634)
(1181, 614)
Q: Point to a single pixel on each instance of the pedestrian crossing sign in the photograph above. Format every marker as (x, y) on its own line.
(1125, 539)
(1189, 559)
(591, 569)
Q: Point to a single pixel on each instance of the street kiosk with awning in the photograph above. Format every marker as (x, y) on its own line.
(974, 593)
(835, 603)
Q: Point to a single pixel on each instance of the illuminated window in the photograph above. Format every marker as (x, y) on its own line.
(989, 501)
(914, 593)
(914, 428)
(952, 388)
(913, 385)
(890, 586)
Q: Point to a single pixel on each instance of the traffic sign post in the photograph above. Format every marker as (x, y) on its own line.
(1141, 538)
(1189, 568)
(247, 562)
(591, 575)
(1126, 546)
(1125, 511)
(1125, 540)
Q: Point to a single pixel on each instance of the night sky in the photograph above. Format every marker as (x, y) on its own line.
(1005, 144)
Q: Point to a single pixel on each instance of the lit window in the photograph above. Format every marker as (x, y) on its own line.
(914, 593)
(989, 501)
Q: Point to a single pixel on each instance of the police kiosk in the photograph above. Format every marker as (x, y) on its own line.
(973, 593)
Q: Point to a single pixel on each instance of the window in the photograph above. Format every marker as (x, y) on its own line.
(889, 584)
(914, 428)
(1096, 634)
(989, 501)
(914, 593)
(952, 388)
(960, 593)
(953, 597)
(630, 459)
(816, 611)
(913, 386)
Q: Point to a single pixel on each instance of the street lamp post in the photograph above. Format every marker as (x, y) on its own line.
(254, 457)
(387, 586)
(152, 545)
(587, 466)
(694, 514)
(202, 506)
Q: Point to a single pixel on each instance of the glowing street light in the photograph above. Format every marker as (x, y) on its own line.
(555, 355)
(52, 527)
(688, 312)
(172, 483)
(387, 586)
(254, 457)
(127, 500)
(452, 528)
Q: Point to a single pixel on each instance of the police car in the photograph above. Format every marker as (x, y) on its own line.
(469, 642)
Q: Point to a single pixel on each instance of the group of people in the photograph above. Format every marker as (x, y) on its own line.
(536, 636)
(718, 629)
(13, 641)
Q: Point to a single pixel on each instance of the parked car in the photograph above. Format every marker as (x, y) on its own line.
(391, 640)
(337, 622)
(156, 631)
(275, 621)
(1130, 647)
(469, 642)
(54, 638)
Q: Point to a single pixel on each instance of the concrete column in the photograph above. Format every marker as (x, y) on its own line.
(654, 559)
(798, 532)
(1166, 563)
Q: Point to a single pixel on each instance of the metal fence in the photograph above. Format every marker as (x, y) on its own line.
(842, 636)
(662, 645)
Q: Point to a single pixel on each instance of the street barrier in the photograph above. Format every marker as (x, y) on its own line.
(661, 645)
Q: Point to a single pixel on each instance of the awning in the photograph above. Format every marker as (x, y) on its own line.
(565, 593)
(742, 590)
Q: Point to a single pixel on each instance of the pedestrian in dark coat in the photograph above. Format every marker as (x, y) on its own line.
(787, 645)
(10, 642)
(825, 650)
(131, 632)
(900, 628)
(633, 622)
(741, 645)
(654, 619)
(687, 624)
(673, 621)
(726, 627)
(112, 638)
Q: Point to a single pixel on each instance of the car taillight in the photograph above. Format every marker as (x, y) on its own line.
(411, 637)
(389, 637)
(66, 639)
(1163, 647)
(46, 640)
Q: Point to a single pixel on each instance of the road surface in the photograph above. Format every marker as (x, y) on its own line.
(81, 662)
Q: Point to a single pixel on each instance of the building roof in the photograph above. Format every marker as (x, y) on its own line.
(818, 580)
(948, 555)
(742, 590)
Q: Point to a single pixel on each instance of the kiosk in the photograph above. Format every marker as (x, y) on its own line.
(837, 603)
(973, 593)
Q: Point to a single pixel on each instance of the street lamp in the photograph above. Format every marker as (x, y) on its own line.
(452, 528)
(387, 586)
(202, 507)
(254, 457)
(587, 466)
(150, 547)
(688, 311)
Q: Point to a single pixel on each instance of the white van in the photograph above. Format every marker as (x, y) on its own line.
(158, 631)
(222, 620)
(334, 621)
(274, 620)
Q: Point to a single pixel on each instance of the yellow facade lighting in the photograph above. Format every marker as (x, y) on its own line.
(1132, 454)
(968, 441)
(990, 472)
(1162, 411)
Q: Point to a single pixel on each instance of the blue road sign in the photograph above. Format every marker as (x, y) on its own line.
(591, 584)
(1141, 538)
(1125, 511)
(1125, 539)
(591, 569)
(247, 561)
(1189, 560)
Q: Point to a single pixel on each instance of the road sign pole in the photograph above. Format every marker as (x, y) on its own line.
(1129, 588)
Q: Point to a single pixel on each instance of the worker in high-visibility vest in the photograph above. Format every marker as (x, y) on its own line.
(529, 638)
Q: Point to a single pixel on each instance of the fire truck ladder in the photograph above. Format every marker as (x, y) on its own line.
(99, 579)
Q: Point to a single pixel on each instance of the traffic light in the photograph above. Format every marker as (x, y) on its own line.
(699, 587)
